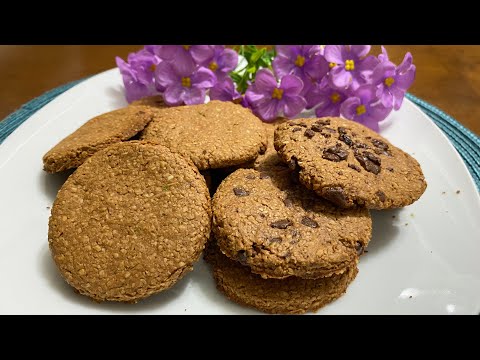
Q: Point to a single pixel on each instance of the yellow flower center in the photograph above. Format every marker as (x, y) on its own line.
(152, 67)
(186, 47)
(186, 82)
(277, 94)
(389, 81)
(332, 65)
(361, 110)
(349, 65)
(300, 61)
(213, 66)
(335, 97)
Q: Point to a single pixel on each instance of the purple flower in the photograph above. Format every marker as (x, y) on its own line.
(393, 82)
(195, 54)
(327, 99)
(225, 90)
(222, 61)
(350, 67)
(184, 82)
(138, 74)
(303, 61)
(268, 100)
(365, 107)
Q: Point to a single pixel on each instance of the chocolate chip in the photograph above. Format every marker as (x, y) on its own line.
(204, 151)
(354, 134)
(242, 257)
(342, 130)
(295, 129)
(281, 224)
(291, 123)
(330, 130)
(240, 191)
(325, 135)
(302, 124)
(264, 176)
(288, 202)
(309, 222)
(381, 152)
(365, 159)
(359, 247)
(275, 240)
(390, 169)
(381, 195)
(322, 122)
(346, 139)
(335, 195)
(250, 177)
(335, 153)
(354, 167)
(262, 150)
(360, 145)
(317, 127)
(380, 144)
(309, 133)
(292, 164)
(295, 233)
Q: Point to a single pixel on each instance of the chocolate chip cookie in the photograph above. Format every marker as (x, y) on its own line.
(270, 159)
(96, 134)
(349, 164)
(288, 296)
(266, 220)
(130, 222)
(214, 135)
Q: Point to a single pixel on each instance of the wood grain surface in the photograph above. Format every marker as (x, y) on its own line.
(447, 76)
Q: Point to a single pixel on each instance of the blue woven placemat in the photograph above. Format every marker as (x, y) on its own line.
(466, 142)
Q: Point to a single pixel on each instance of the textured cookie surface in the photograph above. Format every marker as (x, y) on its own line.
(349, 164)
(129, 222)
(286, 296)
(267, 221)
(214, 135)
(270, 158)
(152, 101)
(96, 134)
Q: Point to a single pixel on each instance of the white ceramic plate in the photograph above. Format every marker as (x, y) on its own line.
(423, 259)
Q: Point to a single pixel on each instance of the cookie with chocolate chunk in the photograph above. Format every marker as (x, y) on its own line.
(349, 164)
(129, 222)
(287, 296)
(267, 221)
(96, 134)
(218, 134)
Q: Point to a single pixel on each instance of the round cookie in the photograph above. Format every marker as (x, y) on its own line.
(278, 228)
(129, 222)
(152, 101)
(96, 134)
(349, 164)
(270, 158)
(287, 296)
(214, 135)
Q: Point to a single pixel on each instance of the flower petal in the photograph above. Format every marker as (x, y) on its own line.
(382, 71)
(291, 85)
(335, 54)
(405, 80)
(328, 109)
(282, 66)
(398, 96)
(340, 78)
(287, 51)
(203, 78)
(267, 109)
(360, 50)
(201, 53)
(293, 105)
(406, 63)
(224, 91)
(265, 81)
(184, 64)
(316, 68)
(173, 94)
(384, 55)
(228, 60)
(349, 108)
(377, 113)
(167, 52)
(166, 74)
(366, 93)
(194, 96)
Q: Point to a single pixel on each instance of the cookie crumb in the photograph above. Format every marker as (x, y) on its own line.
(410, 296)
(393, 216)
(457, 192)
(444, 192)
(48, 207)
(406, 224)
(412, 215)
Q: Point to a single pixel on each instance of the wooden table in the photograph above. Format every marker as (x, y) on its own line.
(447, 76)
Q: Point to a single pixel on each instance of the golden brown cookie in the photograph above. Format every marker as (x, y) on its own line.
(130, 222)
(152, 101)
(349, 164)
(270, 158)
(96, 134)
(287, 296)
(278, 228)
(214, 135)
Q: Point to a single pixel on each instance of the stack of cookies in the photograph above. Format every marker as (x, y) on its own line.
(287, 224)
